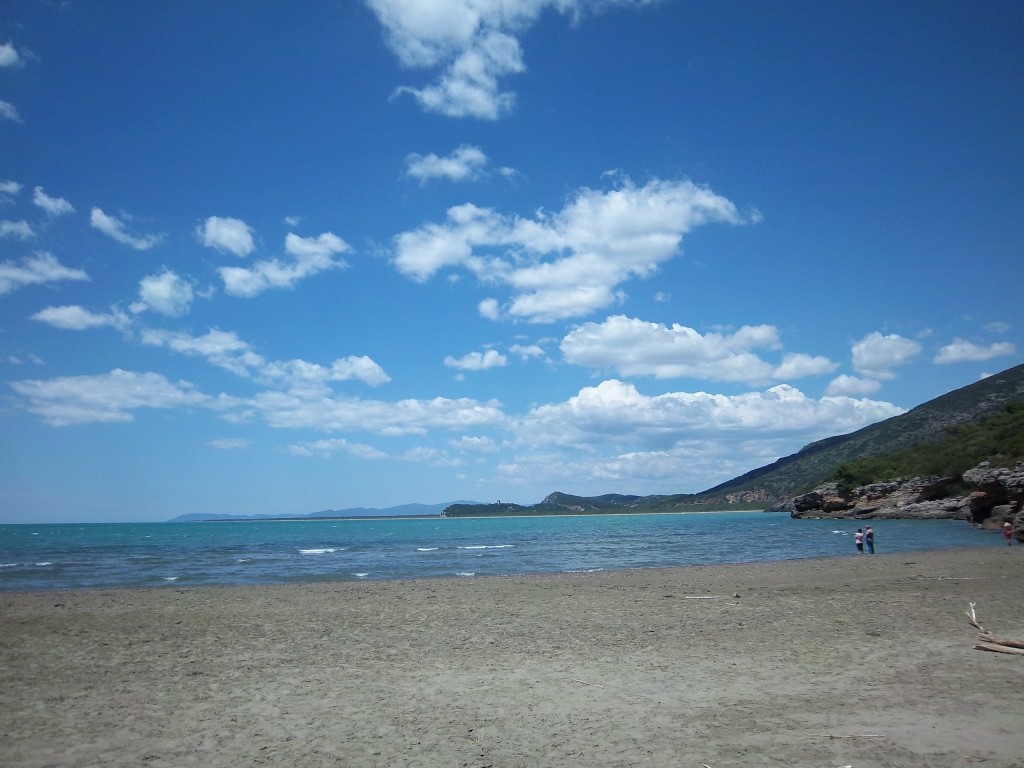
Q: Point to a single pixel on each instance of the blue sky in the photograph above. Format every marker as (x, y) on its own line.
(257, 259)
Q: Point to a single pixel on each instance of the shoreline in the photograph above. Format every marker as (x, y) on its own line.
(850, 660)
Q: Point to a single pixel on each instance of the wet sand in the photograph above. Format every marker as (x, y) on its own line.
(858, 661)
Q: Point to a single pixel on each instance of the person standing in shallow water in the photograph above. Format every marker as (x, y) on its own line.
(858, 539)
(869, 540)
(1008, 533)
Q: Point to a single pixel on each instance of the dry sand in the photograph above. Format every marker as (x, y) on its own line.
(858, 661)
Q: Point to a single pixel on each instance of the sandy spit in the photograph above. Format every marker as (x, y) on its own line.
(858, 661)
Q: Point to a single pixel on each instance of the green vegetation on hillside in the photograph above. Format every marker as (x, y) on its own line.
(997, 438)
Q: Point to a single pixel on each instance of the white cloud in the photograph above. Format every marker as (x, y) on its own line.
(475, 444)
(875, 355)
(165, 293)
(477, 361)
(301, 374)
(463, 164)
(9, 187)
(9, 112)
(570, 263)
(299, 409)
(19, 229)
(226, 350)
(617, 415)
(226, 235)
(41, 267)
(634, 347)
(223, 349)
(109, 397)
(799, 366)
(998, 326)
(9, 56)
(961, 350)
(331, 446)
(230, 443)
(474, 41)
(54, 206)
(312, 255)
(490, 309)
(526, 351)
(76, 318)
(117, 229)
(852, 386)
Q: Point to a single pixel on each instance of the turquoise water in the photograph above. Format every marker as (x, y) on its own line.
(262, 552)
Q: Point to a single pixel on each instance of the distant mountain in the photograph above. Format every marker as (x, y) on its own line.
(402, 510)
(796, 474)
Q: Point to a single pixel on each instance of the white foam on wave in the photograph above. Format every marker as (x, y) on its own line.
(45, 563)
(244, 560)
(360, 575)
(488, 546)
(170, 578)
(465, 573)
(841, 533)
(8, 565)
(319, 550)
(426, 549)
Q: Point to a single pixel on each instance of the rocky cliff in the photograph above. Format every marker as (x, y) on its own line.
(986, 496)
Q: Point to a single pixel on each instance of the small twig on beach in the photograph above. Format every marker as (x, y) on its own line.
(858, 736)
(703, 597)
(584, 682)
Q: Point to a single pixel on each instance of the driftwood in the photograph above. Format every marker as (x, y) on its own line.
(989, 642)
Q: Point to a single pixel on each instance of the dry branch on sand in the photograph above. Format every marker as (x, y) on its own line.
(989, 642)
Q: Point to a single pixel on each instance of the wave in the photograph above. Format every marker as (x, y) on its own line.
(465, 573)
(320, 550)
(427, 549)
(488, 546)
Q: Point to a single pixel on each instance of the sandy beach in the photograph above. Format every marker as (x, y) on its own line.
(857, 661)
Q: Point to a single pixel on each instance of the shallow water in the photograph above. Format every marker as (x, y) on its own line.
(72, 556)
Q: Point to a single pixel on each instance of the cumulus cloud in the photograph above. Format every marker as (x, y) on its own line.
(17, 229)
(325, 448)
(852, 386)
(230, 443)
(876, 355)
(76, 318)
(569, 263)
(474, 42)
(477, 361)
(109, 397)
(311, 256)
(526, 351)
(9, 56)
(617, 414)
(998, 326)
(297, 409)
(8, 188)
(225, 349)
(961, 351)
(39, 268)
(226, 235)
(117, 229)
(165, 293)
(634, 347)
(9, 112)
(463, 164)
(54, 206)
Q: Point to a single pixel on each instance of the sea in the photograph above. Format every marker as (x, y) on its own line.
(125, 555)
